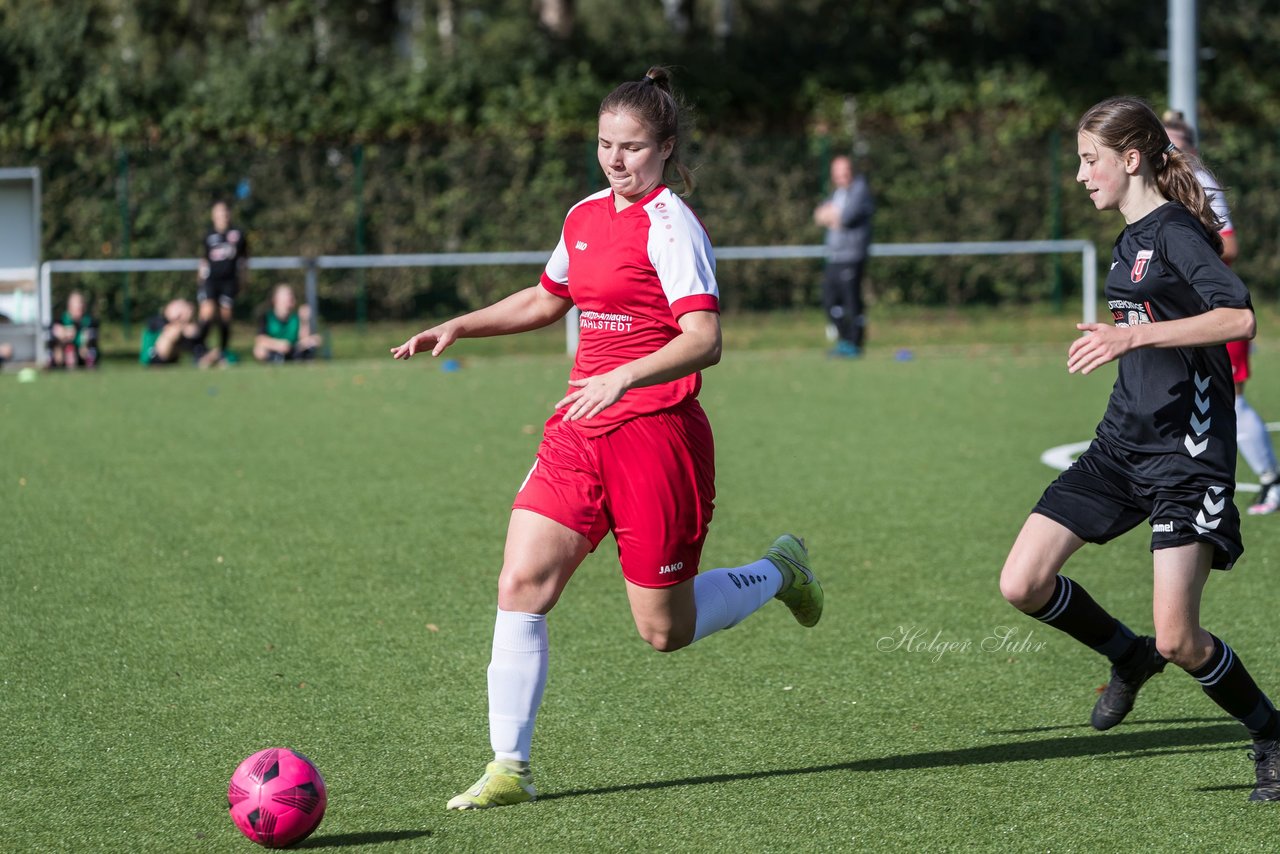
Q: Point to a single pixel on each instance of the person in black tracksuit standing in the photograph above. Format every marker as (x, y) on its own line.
(1165, 451)
(224, 266)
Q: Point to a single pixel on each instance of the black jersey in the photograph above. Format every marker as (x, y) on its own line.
(223, 251)
(1171, 401)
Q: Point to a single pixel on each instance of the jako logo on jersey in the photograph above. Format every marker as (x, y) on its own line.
(1140, 265)
(580, 245)
(671, 567)
(1162, 527)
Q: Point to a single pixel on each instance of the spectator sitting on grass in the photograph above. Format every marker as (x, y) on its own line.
(285, 333)
(73, 341)
(169, 333)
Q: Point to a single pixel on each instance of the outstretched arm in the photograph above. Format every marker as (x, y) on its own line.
(532, 308)
(1105, 342)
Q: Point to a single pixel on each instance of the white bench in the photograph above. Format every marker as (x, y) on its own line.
(20, 313)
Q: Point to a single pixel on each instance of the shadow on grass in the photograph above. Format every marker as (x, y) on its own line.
(373, 837)
(1190, 739)
(1131, 722)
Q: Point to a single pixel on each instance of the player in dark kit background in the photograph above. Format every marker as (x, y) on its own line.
(1165, 451)
(224, 265)
(1251, 430)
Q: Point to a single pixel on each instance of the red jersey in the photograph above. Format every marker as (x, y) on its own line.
(632, 274)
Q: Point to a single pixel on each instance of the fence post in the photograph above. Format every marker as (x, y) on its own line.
(1055, 211)
(122, 190)
(362, 293)
(312, 295)
(571, 328)
(1090, 282)
(824, 164)
(592, 173)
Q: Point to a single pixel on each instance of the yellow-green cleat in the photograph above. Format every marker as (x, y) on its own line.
(499, 787)
(804, 594)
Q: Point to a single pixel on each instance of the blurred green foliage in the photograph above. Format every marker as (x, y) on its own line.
(475, 127)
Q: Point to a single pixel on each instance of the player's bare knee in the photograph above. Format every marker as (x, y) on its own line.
(666, 638)
(668, 643)
(1024, 591)
(1175, 653)
(523, 591)
(1180, 648)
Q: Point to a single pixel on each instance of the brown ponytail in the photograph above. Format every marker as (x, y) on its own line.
(651, 101)
(1127, 123)
(1178, 181)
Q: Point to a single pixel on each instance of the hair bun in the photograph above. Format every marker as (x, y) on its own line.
(660, 77)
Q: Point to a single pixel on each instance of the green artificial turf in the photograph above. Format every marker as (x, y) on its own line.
(196, 565)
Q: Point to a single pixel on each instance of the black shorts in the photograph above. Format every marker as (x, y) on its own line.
(194, 346)
(222, 290)
(295, 354)
(1098, 499)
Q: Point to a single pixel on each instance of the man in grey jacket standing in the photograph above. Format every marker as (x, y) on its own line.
(847, 218)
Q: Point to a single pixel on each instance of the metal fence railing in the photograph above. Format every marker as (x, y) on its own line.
(312, 266)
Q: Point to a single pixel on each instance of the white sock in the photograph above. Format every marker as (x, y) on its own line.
(1254, 440)
(517, 676)
(726, 597)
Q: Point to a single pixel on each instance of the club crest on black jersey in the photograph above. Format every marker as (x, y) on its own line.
(1140, 262)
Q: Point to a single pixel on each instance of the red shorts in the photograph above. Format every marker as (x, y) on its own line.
(651, 482)
(1239, 353)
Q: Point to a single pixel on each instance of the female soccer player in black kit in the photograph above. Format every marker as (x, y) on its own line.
(1166, 448)
(223, 269)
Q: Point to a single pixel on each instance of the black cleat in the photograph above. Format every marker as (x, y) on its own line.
(1266, 759)
(1117, 698)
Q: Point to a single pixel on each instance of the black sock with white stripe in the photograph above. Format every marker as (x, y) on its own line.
(1072, 610)
(1228, 684)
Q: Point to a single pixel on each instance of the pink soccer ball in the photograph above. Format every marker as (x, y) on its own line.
(277, 797)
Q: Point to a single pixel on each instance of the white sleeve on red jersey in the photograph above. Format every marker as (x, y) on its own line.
(681, 254)
(555, 278)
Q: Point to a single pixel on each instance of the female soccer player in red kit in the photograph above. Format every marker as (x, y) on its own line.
(629, 449)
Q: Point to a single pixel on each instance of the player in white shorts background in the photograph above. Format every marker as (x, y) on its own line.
(1251, 431)
(628, 449)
